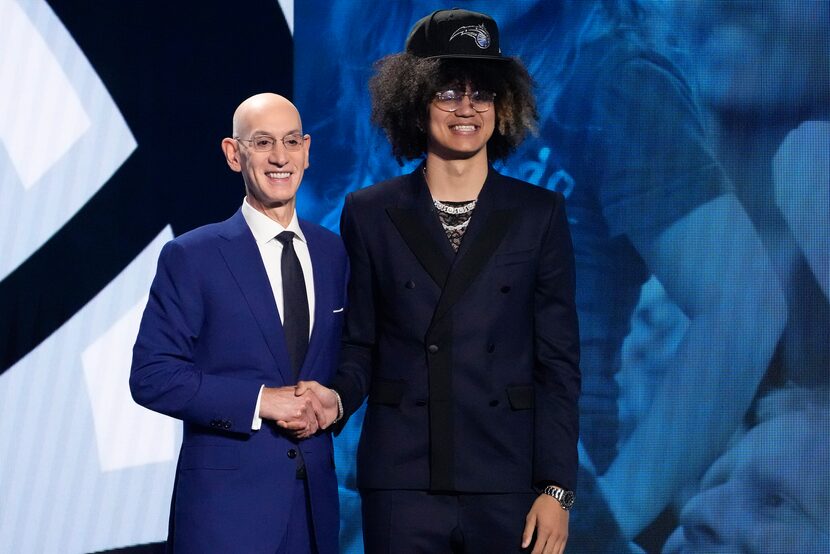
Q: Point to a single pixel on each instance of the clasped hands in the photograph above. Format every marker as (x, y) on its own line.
(301, 410)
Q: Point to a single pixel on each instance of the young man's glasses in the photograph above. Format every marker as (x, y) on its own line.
(266, 143)
(450, 100)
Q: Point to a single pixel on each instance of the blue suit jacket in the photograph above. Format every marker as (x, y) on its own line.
(209, 338)
(471, 360)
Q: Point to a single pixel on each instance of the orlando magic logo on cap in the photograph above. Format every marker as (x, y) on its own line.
(477, 32)
(455, 33)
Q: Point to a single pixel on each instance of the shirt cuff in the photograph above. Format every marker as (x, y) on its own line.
(256, 424)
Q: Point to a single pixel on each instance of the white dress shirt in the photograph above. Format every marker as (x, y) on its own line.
(265, 231)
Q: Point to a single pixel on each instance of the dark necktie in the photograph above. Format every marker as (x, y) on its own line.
(295, 302)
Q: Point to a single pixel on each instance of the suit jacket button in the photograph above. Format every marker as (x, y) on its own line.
(432, 348)
(292, 453)
(494, 403)
(420, 403)
(410, 284)
(226, 425)
(491, 348)
(505, 289)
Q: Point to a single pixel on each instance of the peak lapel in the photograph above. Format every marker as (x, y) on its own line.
(487, 228)
(321, 294)
(245, 263)
(421, 231)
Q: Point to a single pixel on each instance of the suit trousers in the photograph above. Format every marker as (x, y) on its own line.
(299, 536)
(405, 521)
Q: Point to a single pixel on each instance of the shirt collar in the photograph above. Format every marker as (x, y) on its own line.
(264, 228)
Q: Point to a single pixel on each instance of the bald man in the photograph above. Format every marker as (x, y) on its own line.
(239, 311)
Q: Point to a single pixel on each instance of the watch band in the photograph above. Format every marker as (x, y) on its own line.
(565, 498)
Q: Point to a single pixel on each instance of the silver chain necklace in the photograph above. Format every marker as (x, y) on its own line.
(454, 210)
(456, 227)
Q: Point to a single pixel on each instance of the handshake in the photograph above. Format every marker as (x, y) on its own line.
(301, 410)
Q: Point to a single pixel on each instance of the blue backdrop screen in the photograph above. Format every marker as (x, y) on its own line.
(691, 142)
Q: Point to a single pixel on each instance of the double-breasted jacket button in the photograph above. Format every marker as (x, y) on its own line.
(410, 284)
(432, 348)
(420, 403)
(292, 453)
(505, 289)
(491, 348)
(494, 403)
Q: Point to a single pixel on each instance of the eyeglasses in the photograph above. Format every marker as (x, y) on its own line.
(266, 143)
(450, 100)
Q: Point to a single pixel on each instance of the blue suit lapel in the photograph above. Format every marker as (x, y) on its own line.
(245, 263)
(321, 294)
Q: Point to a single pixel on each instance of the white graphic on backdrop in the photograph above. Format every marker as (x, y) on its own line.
(151, 437)
(61, 133)
(48, 117)
(287, 7)
(77, 454)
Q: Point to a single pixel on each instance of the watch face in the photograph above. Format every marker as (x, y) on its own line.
(568, 499)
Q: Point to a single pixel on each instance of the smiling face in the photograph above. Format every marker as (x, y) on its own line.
(271, 177)
(461, 134)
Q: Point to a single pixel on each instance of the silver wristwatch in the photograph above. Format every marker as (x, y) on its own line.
(565, 498)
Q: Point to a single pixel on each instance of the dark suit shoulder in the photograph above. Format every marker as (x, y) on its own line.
(525, 194)
(509, 190)
(385, 192)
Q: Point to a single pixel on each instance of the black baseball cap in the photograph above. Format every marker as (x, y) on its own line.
(455, 33)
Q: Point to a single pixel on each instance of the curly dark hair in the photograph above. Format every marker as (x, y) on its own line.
(404, 84)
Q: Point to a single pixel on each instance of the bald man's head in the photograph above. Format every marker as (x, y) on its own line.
(270, 151)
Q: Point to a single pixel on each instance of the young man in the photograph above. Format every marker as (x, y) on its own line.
(462, 328)
(238, 311)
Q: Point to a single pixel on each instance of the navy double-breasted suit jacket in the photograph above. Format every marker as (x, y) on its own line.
(471, 360)
(209, 338)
